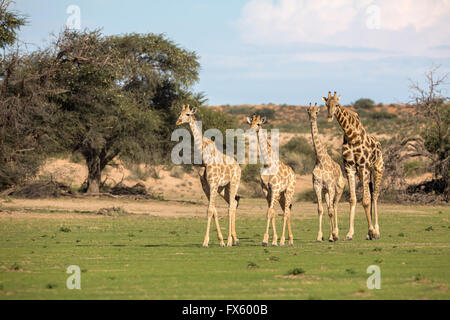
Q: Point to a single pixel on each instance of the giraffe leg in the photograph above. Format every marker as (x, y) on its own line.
(329, 197)
(219, 232)
(268, 195)
(352, 186)
(318, 189)
(283, 206)
(289, 194)
(377, 175)
(233, 196)
(366, 200)
(232, 237)
(339, 190)
(210, 213)
(274, 196)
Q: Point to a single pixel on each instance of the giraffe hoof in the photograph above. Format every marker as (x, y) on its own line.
(377, 236)
(319, 240)
(282, 244)
(205, 246)
(348, 238)
(291, 244)
(264, 244)
(274, 244)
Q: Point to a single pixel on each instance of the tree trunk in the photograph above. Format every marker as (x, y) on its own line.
(94, 175)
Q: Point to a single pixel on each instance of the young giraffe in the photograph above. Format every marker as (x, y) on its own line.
(279, 185)
(327, 176)
(219, 173)
(362, 155)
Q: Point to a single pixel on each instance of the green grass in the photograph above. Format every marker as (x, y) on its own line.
(144, 257)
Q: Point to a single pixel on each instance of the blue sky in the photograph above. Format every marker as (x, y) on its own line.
(279, 51)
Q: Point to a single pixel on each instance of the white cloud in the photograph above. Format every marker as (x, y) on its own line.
(398, 27)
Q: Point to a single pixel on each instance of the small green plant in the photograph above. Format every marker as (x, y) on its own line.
(252, 265)
(274, 258)
(64, 229)
(296, 271)
(350, 271)
(15, 267)
(430, 228)
(51, 285)
(377, 249)
(419, 277)
(401, 234)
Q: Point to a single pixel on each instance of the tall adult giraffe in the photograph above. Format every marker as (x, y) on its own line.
(219, 173)
(327, 177)
(278, 184)
(362, 155)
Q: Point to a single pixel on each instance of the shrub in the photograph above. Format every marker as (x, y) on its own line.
(307, 195)
(251, 173)
(299, 154)
(414, 168)
(296, 271)
(177, 172)
(364, 103)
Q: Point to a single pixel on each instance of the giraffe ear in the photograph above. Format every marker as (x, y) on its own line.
(339, 98)
(193, 110)
(249, 120)
(324, 99)
(263, 120)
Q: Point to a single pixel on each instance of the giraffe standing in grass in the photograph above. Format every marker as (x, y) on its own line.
(327, 177)
(219, 174)
(362, 155)
(278, 184)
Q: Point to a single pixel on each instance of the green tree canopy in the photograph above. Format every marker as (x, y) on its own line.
(364, 103)
(10, 23)
(119, 93)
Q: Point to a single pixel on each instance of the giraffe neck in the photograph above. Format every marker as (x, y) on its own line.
(265, 148)
(350, 123)
(198, 136)
(319, 148)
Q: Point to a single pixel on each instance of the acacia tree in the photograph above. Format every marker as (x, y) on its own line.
(10, 23)
(119, 92)
(434, 140)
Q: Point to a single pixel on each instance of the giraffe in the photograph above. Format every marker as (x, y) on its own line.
(362, 155)
(278, 184)
(219, 173)
(327, 177)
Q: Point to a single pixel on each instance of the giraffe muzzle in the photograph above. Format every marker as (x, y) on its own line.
(330, 118)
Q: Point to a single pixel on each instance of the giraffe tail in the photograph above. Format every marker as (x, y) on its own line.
(237, 197)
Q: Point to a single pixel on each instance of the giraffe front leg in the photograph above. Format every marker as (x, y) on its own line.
(352, 187)
(210, 214)
(329, 199)
(318, 190)
(275, 197)
(283, 206)
(339, 190)
(287, 211)
(377, 175)
(367, 201)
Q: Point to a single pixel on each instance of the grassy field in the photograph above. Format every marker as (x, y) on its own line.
(156, 253)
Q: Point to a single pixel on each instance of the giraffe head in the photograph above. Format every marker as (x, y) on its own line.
(332, 103)
(186, 115)
(256, 122)
(312, 112)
